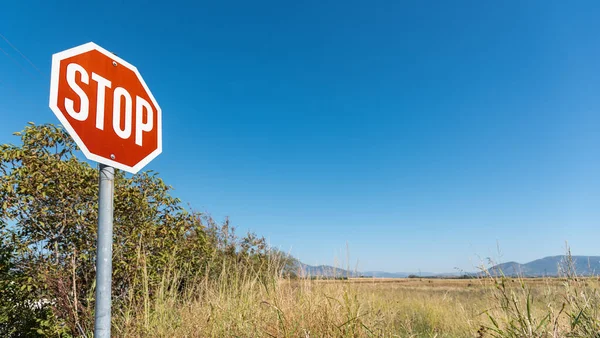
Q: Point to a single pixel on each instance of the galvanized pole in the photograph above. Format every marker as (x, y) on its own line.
(104, 252)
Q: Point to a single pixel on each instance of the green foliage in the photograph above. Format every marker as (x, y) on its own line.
(17, 317)
(49, 198)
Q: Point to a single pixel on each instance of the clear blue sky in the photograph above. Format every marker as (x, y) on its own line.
(422, 134)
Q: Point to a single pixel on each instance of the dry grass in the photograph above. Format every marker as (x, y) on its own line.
(242, 305)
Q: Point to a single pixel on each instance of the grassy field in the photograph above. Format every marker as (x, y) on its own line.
(238, 305)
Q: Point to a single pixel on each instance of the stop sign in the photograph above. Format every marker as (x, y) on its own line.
(106, 107)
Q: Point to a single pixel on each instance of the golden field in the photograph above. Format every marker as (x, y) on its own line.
(241, 305)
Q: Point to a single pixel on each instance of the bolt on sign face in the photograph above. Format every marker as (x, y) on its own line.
(106, 107)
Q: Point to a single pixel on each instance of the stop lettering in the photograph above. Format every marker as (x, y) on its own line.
(121, 108)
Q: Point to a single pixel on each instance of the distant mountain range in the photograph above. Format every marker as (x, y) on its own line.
(548, 266)
(325, 271)
(328, 271)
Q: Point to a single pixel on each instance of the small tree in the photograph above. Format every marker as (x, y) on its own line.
(50, 198)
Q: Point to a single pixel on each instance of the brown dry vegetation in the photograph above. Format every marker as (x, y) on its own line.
(244, 306)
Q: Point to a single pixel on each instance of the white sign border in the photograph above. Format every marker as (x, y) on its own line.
(56, 59)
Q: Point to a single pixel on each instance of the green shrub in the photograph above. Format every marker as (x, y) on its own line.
(49, 198)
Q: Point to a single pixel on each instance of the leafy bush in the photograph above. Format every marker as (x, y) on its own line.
(19, 317)
(49, 198)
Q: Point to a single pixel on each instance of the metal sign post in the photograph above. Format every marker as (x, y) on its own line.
(104, 252)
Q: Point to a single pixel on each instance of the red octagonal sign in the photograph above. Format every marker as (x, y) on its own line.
(106, 107)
